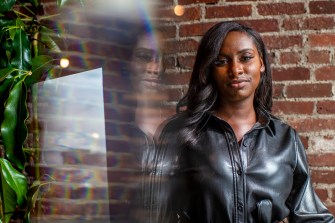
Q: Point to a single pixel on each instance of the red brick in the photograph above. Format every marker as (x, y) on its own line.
(317, 23)
(323, 176)
(322, 39)
(325, 73)
(333, 198)
(116, 83)
(295, 73)
(309, 90)
(325, 107)
(174, 94)
(312, 124)
(191, 13)
(322, 7)
(304, 140)
(197, 29)
(281, 8)
(282, 42)
(167, 14)
(331, 208)
(187, 45)
(177, 78)
(229, 11)
(278, 91)
(262, 25)
(243, 0)
(83, 157)
(169, 31)
(290, 57)
(121, 175)
(169, 62)
(185, 62)
(187, 2)
(318, 56)
(74, 208)
(293, 107)
(322, 194)
(320, 160)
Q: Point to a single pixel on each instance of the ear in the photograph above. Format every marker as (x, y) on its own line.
(262, 65)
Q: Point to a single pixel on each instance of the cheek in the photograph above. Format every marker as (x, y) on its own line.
(138, 68)
(219, 75)
(256, 77)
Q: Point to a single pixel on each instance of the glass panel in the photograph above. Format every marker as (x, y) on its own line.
(72, 138)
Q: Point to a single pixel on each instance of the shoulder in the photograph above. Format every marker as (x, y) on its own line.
(278, 125)
(173, 123)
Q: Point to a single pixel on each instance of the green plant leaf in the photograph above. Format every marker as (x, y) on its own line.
(5, 72)
(61, 3)
(13, 128)
(3, 55)
(34, 193)
(5, 22)
(6, 5)
(40, 65)
(47, 40)
(21, 57)
(14, 187)
(18, 24)
(4, 92)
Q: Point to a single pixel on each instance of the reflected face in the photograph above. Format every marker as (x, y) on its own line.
(147, 60)
(238, 68)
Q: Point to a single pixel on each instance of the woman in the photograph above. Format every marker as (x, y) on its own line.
(226, 158)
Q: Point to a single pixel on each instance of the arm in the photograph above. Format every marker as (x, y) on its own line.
(303, 202)
(169, 189)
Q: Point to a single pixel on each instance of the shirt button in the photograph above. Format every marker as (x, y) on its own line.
(240, 207)
(239, 172)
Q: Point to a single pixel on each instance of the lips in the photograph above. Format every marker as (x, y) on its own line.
(238, 83)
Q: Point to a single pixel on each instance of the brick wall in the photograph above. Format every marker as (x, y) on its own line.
(300, 36)
(301, 41)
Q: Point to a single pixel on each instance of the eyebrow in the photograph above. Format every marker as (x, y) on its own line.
(240, 52)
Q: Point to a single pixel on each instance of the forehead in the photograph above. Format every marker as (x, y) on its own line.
(238, 40)
(149, 41)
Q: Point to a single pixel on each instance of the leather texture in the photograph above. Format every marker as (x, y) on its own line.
(264, 178)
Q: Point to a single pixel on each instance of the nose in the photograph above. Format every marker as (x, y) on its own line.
(236, 68)
(154, 67)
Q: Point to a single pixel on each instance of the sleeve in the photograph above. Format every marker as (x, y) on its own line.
(303, 202)
(167, 186)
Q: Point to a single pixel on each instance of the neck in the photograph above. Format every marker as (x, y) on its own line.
(240, 117)
(238, 111)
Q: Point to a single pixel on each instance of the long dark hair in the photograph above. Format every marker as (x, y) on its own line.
(202, 95)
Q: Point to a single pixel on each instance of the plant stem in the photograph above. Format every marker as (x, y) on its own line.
(24, 6)
(35, 44)
(20, 13)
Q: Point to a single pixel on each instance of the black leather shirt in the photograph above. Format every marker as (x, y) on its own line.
(264, 178)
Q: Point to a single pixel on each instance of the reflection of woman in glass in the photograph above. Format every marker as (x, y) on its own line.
(147, 69)
(226, 158)
(146, 73)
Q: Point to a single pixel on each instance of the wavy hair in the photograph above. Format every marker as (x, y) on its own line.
(202, 95)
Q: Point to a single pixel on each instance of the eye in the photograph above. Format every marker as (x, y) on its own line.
(144, 55)
(221, 62)
(246, 57)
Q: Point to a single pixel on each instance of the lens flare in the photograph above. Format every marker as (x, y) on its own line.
(64, 63)
(179, 10)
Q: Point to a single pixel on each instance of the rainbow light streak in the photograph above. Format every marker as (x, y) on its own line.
(74, 154)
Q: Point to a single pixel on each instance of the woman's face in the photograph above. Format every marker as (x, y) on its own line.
(146, 61)
(238, 68)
